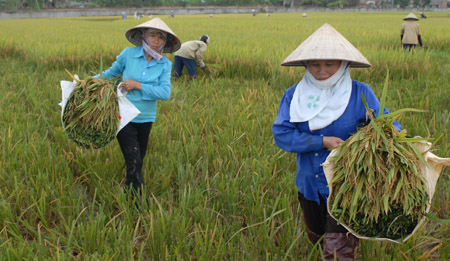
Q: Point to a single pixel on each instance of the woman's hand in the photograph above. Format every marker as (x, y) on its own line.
(330, 142)
(129, 85)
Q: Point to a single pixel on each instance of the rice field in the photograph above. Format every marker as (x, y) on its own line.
(218, 188)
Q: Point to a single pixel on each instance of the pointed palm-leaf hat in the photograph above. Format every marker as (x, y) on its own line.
(326, 44)
(410, 16)
(134, 35)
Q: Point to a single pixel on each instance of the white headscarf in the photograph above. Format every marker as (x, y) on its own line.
(321, 102)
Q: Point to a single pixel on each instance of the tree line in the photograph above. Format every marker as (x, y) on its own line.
(36, 5)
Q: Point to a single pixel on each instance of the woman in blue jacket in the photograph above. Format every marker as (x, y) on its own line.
(146, 78)
(316, 115)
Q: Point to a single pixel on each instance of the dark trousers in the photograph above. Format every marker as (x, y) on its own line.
(133, 140)
(409, 46)
(180, 62)
(317, 218)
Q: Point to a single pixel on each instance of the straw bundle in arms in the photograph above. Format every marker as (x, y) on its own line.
(377, 188)
(91, 116)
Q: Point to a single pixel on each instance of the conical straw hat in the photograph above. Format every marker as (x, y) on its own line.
(410, 16)
(134, 35)
(326, 44)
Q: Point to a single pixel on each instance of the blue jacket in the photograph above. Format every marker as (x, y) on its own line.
(154, 78)
(298, 138)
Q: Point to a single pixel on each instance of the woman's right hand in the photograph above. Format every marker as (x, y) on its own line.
(129, 85)
(330, 142)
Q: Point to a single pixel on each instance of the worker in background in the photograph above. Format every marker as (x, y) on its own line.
(190, 55)
(409, 33)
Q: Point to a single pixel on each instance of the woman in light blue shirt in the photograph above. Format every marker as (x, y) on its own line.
(146, 78)
(316, 115)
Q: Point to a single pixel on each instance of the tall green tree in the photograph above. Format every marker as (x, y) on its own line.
(401, 3)
(424, 3)
(12, 5)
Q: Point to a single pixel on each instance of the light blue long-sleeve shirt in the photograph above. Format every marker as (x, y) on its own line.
(298, 138)
(154, 78)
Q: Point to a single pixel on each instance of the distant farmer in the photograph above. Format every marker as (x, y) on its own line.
(422, 15)
(409, 33)
(172, 14)
(190, 55)
(316, 115)
(146, 78)
(253, 12)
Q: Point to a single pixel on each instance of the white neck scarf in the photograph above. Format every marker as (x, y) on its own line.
(321, 102)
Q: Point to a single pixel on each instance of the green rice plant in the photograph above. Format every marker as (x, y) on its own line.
(212, 168)
(377, 187)
(91, 116)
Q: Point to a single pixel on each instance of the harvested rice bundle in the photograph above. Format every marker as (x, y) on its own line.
(377, 189)
(91, 116)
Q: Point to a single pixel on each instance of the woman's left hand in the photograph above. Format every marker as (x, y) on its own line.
(129, 85)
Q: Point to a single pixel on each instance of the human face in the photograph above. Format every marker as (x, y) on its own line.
(323, 69)
(155, 40)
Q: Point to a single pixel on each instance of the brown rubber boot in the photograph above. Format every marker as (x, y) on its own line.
(339, 246)
(312, 236)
